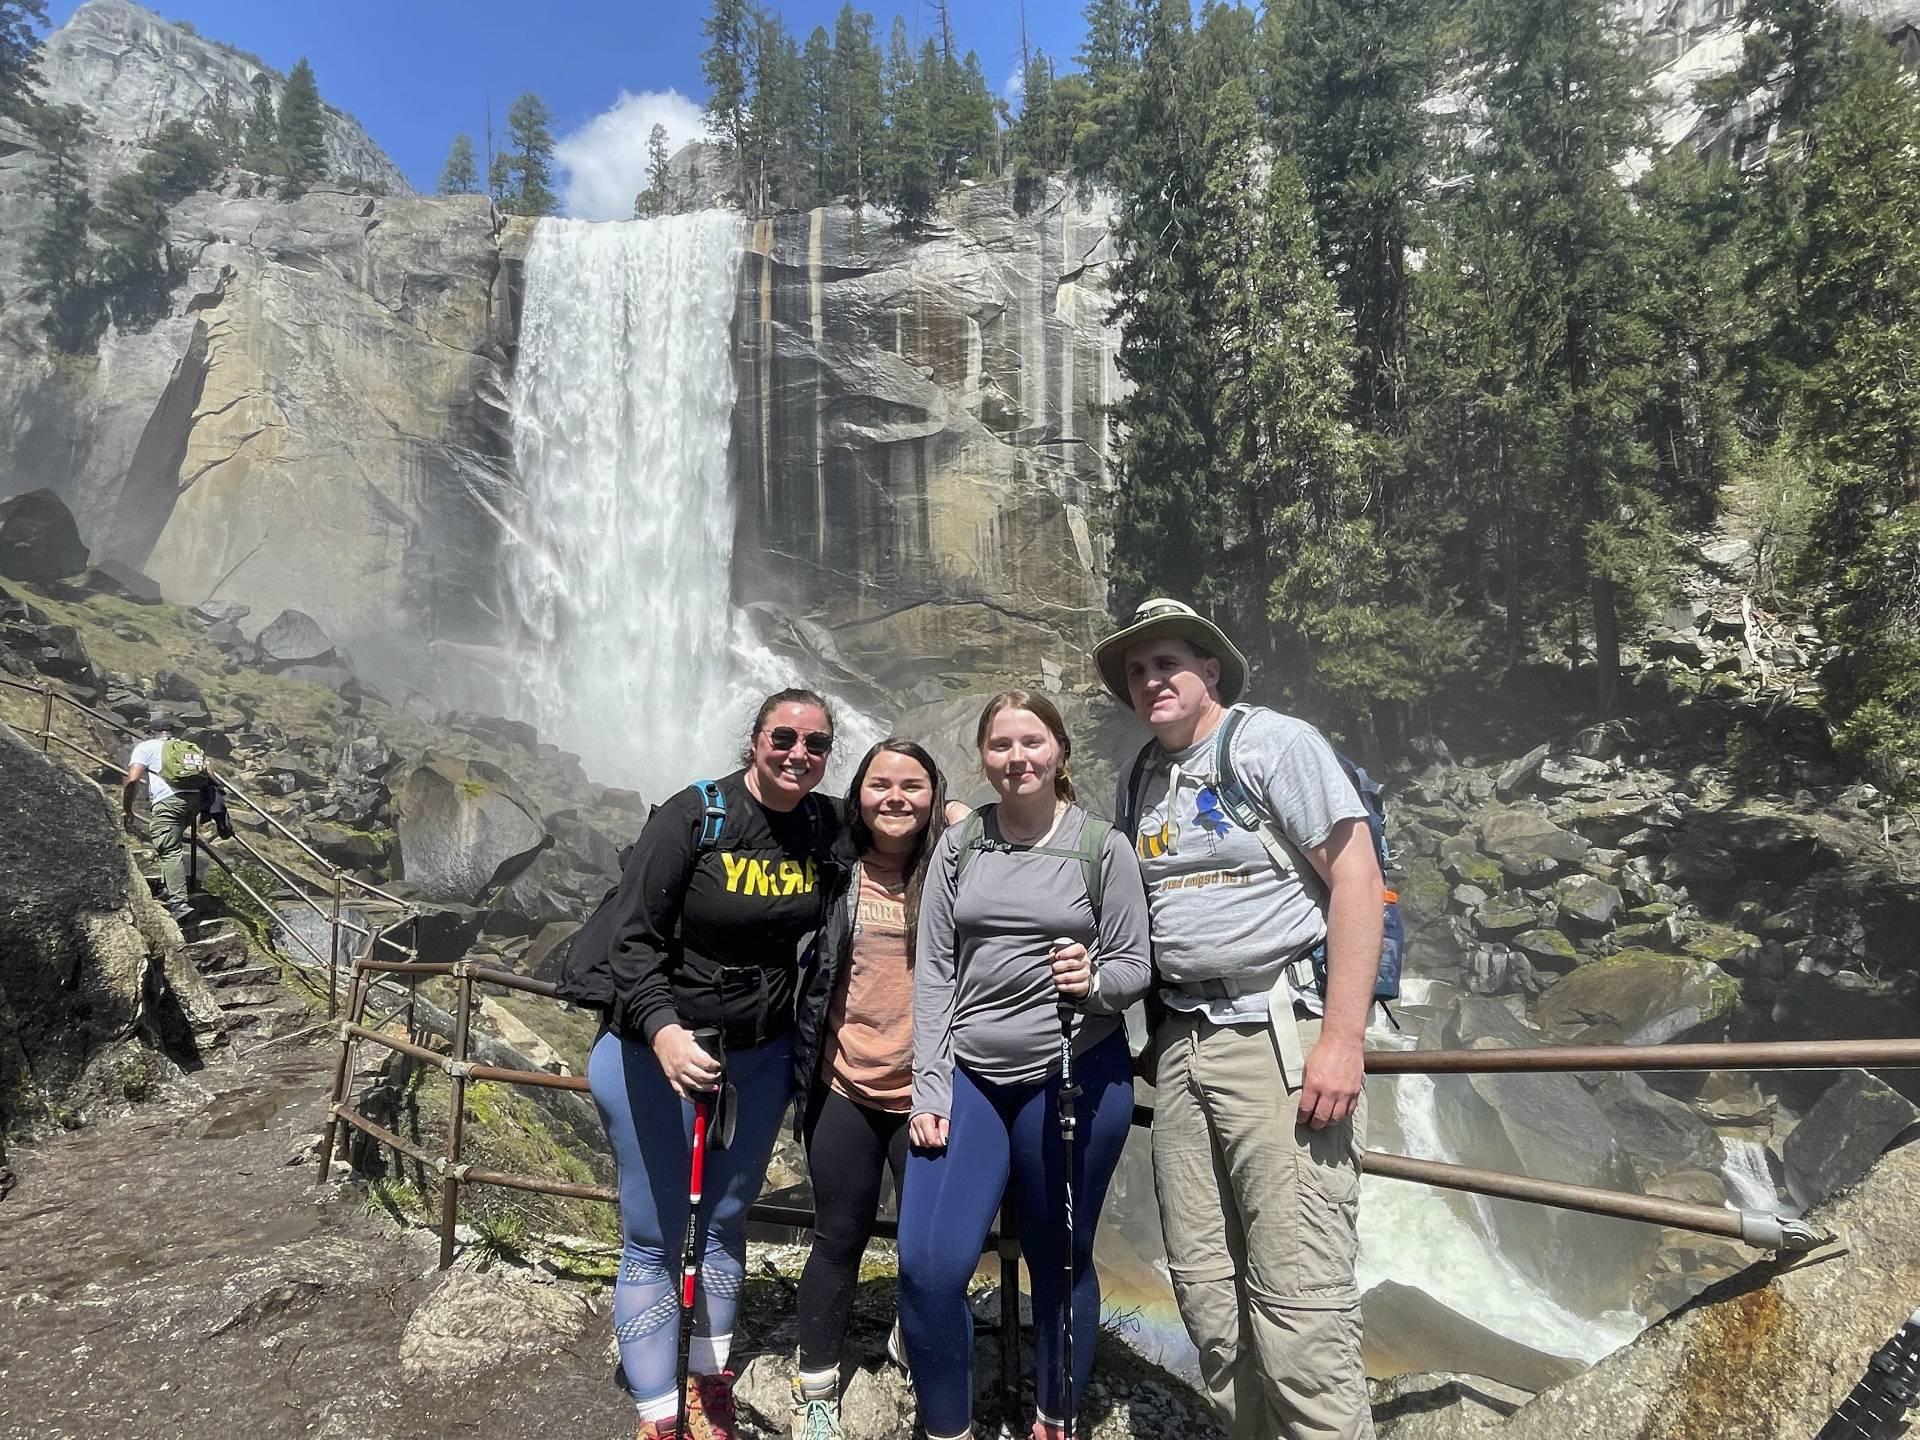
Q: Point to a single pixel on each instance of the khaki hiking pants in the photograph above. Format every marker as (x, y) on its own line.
(1260, 1216)
(168, 822)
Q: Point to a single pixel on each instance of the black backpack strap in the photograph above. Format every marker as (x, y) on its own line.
(1129, 817)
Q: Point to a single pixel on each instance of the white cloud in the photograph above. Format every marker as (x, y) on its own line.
(605, 160)
(1015, 89)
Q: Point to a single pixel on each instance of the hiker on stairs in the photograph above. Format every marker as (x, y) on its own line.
(176, 773)
(1031, 906)
(1259, 1108)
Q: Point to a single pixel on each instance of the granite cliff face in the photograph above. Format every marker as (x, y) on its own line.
(921, 445)
(134, 71)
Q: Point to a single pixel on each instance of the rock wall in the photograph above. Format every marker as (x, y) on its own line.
(921, 448)
(135, 71)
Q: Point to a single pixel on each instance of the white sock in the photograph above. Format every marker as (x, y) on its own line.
(659, 1407)
(707, 1354)
(819, 1384)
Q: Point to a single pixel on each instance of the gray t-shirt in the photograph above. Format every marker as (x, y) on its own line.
(1221, 910)
(982, 984)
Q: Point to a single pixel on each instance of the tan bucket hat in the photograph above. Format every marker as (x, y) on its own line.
(1169, 617)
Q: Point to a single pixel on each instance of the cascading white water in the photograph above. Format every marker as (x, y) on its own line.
(1749, 1177)
(1412, 1235)
(630, 651)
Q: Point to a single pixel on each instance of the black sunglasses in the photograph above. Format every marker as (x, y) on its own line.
(785, 737)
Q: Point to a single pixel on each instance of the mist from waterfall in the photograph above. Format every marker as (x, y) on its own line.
(618, 572)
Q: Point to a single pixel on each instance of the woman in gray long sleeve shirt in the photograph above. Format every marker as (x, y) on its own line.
(988, 980)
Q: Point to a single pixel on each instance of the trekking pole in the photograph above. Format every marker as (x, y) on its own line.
(703, 1103)
(1884, 1393)
(1069, 1123)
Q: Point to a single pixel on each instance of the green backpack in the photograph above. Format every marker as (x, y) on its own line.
(183, 764)
(1093, 839)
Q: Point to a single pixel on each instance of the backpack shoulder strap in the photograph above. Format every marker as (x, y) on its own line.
(1093, 844)
(1243, 807)
(973, 836)
(1129, 817)
(713, 817)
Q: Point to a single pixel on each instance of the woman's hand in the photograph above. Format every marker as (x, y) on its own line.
(928, 1131)
(686, 1065)
(1072, 970)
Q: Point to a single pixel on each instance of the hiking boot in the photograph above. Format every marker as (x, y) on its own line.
(897, 1347)
(710, 1407)
(815, 1419)
(1047, 1430)
(657, 1430)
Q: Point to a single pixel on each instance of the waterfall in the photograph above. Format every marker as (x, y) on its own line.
(1749, 1177)
(1413, 1235)
(619, 566)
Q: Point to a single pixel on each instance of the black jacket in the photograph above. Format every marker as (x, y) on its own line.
(711, 935)
(831, 953)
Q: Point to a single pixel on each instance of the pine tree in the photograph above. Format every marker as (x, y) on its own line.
(1564, 109)
(652, 201)
(528, 171)
(816, 133)
(59, 261)
(1110, 58)
(976, 128)
(855, 125)
(910, 173)
(19, 46)
(223, 124)
(136, 264)
(262, 146)
(302, 129)
(727, 65)
(1790, 52)
(1853, 334)
(1349, 81)
(458, 176)
(1167, 536)
(776, 115)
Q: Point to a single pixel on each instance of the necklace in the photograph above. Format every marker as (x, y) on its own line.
(1007, 833)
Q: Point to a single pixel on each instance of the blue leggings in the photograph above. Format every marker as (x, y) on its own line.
(1000, 1136)
(651, 1132)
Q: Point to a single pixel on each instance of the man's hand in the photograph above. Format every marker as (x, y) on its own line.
(1336, 1070)
(928, 1131)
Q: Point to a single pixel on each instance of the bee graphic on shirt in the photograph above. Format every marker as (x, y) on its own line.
(1208, 817)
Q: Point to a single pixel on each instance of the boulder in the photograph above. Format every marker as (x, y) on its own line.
(1768, 1354)
(344, 846)
(1569, 772)
(1639, 997)
(1840, 1137)
(124, 581)
(1546, 950)
(293, 637)
(1408, 1331)
(462, 826)
(91, 968)
(177, 689)
(1516, 775)
(1549, 1127)
(1527, 843)
(215, 611)
(1657, 1130)
(1587, 902)
(545, 957)
(39, 541)
(1505, 915)
(1689, 650)
(476, 1321)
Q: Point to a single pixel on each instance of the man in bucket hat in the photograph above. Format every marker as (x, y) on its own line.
(174, 802)
(1259, 1107)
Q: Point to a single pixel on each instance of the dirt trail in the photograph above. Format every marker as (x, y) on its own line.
(171, 1273)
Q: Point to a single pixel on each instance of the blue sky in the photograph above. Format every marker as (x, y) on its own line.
(416, 72)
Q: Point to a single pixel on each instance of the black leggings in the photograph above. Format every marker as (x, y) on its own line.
(849, 1150)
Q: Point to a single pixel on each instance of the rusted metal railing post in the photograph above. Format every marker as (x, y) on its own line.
(1009, 1316)
(46, 718)
(342, 1077)
(456, 1120)
(333, 953)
